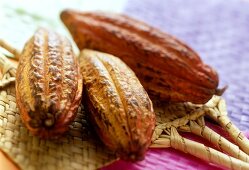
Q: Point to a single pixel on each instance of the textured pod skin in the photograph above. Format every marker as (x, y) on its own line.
(48, 84)
(120, 108)
(167, 68)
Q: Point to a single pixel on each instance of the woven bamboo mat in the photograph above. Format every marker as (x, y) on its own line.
(80, 147)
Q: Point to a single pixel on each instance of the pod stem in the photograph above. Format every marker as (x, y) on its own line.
(219, 92)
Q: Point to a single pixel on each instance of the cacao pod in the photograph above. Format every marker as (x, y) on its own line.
(120, 108)
(48, 84)
(167, 68)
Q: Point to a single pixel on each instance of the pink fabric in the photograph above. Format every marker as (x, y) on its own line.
(171, 159)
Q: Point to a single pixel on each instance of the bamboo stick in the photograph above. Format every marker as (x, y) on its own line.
(213, 102)
(6, 82)
(218, 141)
(220, 116)
(9, 48)
(7, 66)
(198, 150)
(161, 143)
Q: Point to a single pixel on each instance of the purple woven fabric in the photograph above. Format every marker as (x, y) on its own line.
(219, 31)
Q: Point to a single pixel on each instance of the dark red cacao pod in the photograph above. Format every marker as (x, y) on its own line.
(167, 68)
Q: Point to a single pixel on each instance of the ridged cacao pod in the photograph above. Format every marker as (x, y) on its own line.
(120, 109)
(48, 84)
(167, 68)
